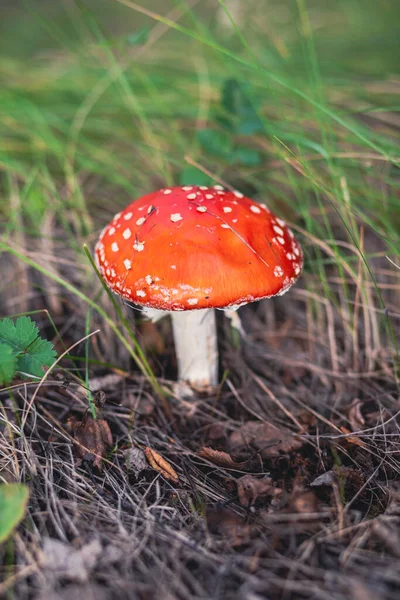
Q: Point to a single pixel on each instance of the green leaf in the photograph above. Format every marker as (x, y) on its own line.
(13, 501)
(20, 334)
(246, 156)
(39, 354)
(8, 364)
(192, 176)
(217, 143)
(31, 352)
(238, 100)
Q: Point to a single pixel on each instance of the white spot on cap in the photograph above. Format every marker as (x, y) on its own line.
(149, 279)
(278, 271)
(176, 217)
(238, 194)
(128, 216)
(297, 269)
(167, 191)
(139, 246)
(191, 196)
(111, 231)
(291, 233)
(234, 220)
(128, 264)
(290, 256)
(255, 209)
(141, 221)
(225, 226)
(203, 187)
(280, 222)
(209, 196)
(227, 209)
(114, 247)
(150, 209)
(127, 234)
(296, 251)
(278, 230)
(202, 208)
(281, 240)
(187, 188)
(193, 301)
(141, 293)
(173, 266)
(218, 187)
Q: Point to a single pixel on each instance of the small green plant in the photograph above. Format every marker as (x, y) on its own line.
(22, 350)
(13, 501)
(237, 118)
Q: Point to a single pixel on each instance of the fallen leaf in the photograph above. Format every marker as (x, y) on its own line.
(250, 489)
(92, 437)
(229, 525)
(158, 463)
(326, 478)
(352, 439)
(355, 417)
(223, 459)
(269, 440)
(135, 460)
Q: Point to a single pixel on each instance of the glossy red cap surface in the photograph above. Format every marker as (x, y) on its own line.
(192, 247)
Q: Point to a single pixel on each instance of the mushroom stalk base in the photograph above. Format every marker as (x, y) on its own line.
(195, 338)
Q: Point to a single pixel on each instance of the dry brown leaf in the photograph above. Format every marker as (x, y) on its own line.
(229, 525)
(223, 459)
(269, 440)
(355, 416)
(92, 438)
(352, 439)
(158, 463)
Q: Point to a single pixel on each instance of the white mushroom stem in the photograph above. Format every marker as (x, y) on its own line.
(195, 337)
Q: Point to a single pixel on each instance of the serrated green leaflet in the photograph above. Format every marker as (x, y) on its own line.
(20, 334)
(13, 501)
(39, 354)
(8, 362)
(21, 349)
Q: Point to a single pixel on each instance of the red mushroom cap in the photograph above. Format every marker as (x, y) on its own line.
(196, 247)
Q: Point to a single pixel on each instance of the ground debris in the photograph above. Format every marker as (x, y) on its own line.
(251, 489)
(136, 460)
(230, 525)
(92, 438)
(88, 591)
(268, 439)
(158, 463)
(387, 535)
(65, 562)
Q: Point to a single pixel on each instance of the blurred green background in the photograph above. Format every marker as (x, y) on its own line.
(294, 102)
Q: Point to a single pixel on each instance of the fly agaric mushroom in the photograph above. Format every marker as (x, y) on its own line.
(189, 250)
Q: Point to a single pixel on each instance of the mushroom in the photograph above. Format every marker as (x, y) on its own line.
(189, 250)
